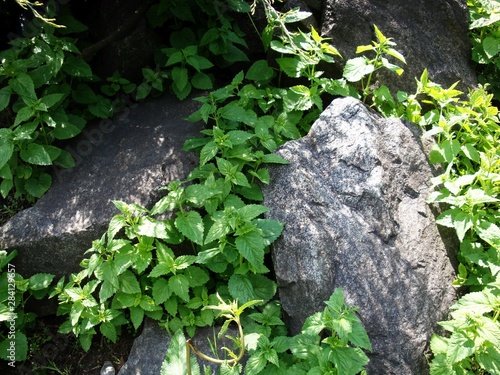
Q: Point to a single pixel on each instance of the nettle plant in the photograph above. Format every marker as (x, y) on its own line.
(15, 292)
(45, 97)
(484, 17)
(330, 342)
(206, 240)
(203, 36)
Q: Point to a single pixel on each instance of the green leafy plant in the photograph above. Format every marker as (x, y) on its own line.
(484, 17)
(187, 62)
(331, 342)
(41, 79)
(362, 68)
(474, 342)
(15, 291)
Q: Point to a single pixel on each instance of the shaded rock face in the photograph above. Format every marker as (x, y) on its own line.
(128, 158)
(149, 349)
(353, 203)
(430, 34)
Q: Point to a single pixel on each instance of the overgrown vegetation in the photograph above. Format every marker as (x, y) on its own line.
(215, 244)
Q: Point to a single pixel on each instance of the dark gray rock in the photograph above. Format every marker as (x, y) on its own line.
(127, 159)
(431, 34)
(353, 203)
(149, 349)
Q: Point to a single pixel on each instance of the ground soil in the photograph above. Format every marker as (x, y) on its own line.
(53, 353)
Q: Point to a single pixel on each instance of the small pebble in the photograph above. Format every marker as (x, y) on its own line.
(107, 369)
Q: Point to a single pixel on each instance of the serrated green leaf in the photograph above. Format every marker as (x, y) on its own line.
(77, 67)
(109, 330)
(5, 93)
(179, 285)
(180, 77)
(357, 68)
(6, 151)
(251, 211)
(129, 283)
(208, 152)
(23, 85)
(190, 224)
(136, 316)
(459, 347)
(21, 347)
(260, 71)
(251, 247)
(161, 291)
(196, 276)
(255, 363)
(38, 185)
(175, 359)
(40, 281)
(235, 112)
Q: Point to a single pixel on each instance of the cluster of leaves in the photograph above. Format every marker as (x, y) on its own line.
(203, 36)
(331, 342)
(15, 291)
(206, 236)
(485, 37)
(45, 97)
(466, 135)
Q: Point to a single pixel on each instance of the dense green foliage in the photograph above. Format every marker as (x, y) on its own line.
(206, 241)
(485, 38)
(15, 291)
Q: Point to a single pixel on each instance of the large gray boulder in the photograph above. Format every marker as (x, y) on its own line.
(431, 34)
(128, 158)
(353, 203)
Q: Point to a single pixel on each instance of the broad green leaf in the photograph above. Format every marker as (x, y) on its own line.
(109, 330)
(292, 66)
(40, 281)
(478, 303)
(190, 224)
(202, 81)
(357, 68)
(40, 154)
(180, 77)
(5, 93)
(179, 285)
(129, 283)
(77, 67)
(251, 211)
(196, 276)
(251, 247)
(199, 62)
(175, 360)
(490, 233)
(273, 158)
(235, 112)
(491, 46)
(349, 361)
(38, 185)
(21, 347)
(161, 291)
(102, 108)
(260, 71)
(489, 359)
(23, 85)
(69, 128)
(256, 363)
(459, 347)
(136, 316)
(241, 288)
(6, 151)
(208, 152)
